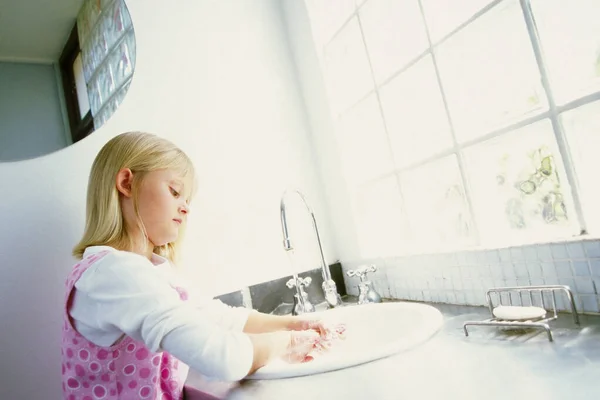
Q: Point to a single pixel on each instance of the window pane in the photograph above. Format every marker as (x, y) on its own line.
(382, 228)
(363, 143)
(489, 73)
(415, 114)
(394, 32)
(327, 17)
(81, 88)
(347, 70)
(435, 203)
(445, 15)
(582, 126)
(519, 188)
(570, 35)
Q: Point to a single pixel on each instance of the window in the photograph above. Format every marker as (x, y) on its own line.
(570, 38)
(417, 124)
(386, 24)
(81, 122)
(489, 74)
(464, 124)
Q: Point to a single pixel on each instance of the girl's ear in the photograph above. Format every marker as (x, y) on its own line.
(124, 181)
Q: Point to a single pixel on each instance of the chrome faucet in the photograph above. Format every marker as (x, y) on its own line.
(329, 288)
(367, 293)
(301, 303)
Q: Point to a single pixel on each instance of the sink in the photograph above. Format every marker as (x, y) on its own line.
(373, 331)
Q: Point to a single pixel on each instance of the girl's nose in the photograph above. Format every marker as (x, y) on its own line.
(184, 209)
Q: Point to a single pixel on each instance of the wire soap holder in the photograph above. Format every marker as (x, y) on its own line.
(519, 317)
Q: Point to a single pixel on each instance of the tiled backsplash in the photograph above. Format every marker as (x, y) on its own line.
(463, 278)
(266, 296)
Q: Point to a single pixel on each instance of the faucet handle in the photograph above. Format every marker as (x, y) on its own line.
(298, 281)
(362, 271)
(371, 268)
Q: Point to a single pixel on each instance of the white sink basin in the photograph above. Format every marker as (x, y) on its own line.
(373, 331)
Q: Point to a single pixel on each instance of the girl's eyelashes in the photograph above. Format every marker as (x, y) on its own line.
(174, 192)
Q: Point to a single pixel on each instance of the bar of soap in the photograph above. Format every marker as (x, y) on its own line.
(519, 313)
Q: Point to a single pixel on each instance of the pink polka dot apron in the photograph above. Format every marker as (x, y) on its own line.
(126, 370)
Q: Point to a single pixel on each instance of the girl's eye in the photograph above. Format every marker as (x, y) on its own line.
(174, 192)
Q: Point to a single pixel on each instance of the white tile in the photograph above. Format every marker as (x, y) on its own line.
(521, 270)
(508, 270)
(537, 281)
(419, 295)
(595, 267)
(568, 282)
(590, 303)
(559, 251)
(461, 258)
(493, 257)
(459, 285)
(563, 269)
(575, 250)
(581, 267)
(487, 283)
(505, 255)
(511, 282)
(471, 298)
(451, 297)
(482, 271)
(543, 252)
(499, 282)
(516, 254)
(465, 271)
(548, 269)
(481, 298)
(592, 248)
(523, 282)
(534, 269)
(530, 253)
(447, 283)
(427, 295)
(584, 285)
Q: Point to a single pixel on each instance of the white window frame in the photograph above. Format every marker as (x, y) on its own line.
(552, 113)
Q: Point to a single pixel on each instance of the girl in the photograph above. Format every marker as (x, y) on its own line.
(131, 327)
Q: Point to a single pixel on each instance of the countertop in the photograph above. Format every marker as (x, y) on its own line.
(489, 364)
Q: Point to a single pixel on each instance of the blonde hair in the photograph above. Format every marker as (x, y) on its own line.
(142, 153)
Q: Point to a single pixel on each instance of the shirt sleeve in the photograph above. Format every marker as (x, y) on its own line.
(134, 297)
(230, 318)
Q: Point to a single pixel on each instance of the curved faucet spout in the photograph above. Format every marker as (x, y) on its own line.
(329, 287)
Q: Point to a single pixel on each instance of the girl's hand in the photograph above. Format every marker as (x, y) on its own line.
(290, 346)
(327, 330)
(300, 345)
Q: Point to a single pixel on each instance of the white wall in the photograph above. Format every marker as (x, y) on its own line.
(322, 128)
(31, 121)
(215, 77)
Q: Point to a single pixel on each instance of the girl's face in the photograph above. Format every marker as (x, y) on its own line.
(162, 204)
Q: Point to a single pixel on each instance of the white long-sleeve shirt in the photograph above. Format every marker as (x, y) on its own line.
(125, 293)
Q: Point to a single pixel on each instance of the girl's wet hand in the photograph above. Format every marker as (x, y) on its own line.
(327, 330)
(301, 344)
